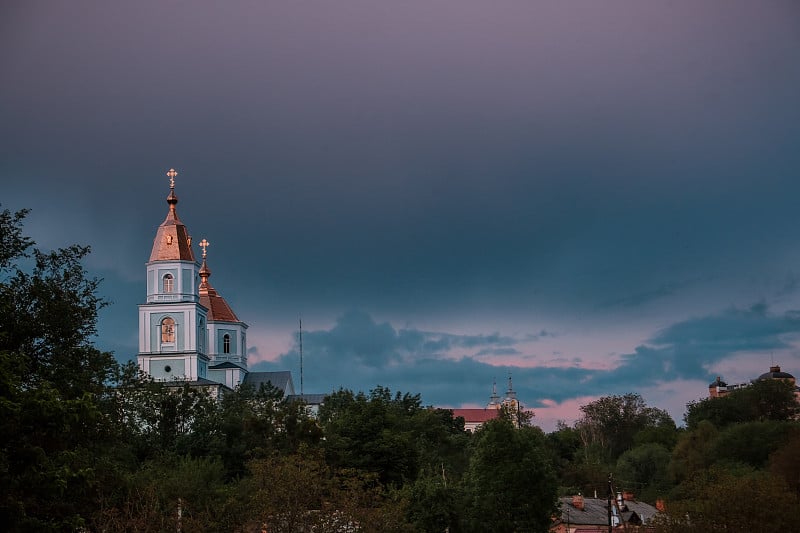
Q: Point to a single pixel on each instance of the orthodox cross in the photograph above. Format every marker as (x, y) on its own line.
(171, 175)
(204, 244)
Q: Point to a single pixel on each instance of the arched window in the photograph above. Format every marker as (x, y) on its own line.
(226, 344)
(168, 330)
(167, 282)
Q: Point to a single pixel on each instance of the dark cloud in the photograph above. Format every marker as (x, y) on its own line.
(359, 353)
(687, 349)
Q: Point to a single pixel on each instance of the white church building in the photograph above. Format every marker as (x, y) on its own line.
(187, 331)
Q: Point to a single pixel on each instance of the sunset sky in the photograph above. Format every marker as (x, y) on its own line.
(596, 197)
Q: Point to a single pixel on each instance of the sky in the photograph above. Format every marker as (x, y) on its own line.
(593, 198)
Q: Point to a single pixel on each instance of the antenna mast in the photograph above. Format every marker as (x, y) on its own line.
(301, 355)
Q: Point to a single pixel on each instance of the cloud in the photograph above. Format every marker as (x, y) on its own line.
(644, 297)
(360, 353)
(688, 349)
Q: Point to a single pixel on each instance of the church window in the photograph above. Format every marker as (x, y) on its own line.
(168, 330)
(226, 344)
(168, 283)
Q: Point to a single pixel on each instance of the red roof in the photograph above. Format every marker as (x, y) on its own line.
(476, 415)
(218, 308)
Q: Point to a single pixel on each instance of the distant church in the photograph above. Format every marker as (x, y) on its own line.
(475, 418)
(187, 331)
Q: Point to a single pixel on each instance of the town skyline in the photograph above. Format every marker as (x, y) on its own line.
(597, 200)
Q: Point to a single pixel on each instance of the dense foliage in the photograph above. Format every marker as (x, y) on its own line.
(88, 444)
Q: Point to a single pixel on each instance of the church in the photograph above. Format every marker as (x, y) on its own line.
(188, 334)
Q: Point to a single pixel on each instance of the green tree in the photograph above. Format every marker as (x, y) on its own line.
(56, 407)
(510, 484)
(372, 433)
(770, 399)
(751, 443)
(433, 504)
(300, 492)
(610, 424)
(785, 461)
(645, 471)
(693, 452)
(716, 500)
(170, 491)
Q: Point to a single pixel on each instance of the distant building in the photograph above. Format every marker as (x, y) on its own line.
(579, 514)
(718, 388)
(313, 402)
(474, 418)
(187, 331)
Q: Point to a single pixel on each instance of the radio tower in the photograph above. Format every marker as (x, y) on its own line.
(301, 356)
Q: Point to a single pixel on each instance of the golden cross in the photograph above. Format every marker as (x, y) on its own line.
(171, 175)
(204, 244)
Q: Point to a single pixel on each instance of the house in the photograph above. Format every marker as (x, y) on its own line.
(580, 514)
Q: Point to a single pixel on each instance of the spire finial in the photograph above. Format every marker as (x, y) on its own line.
(171, 175)
(205, 272)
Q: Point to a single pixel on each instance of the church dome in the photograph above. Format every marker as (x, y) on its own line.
(717, 383)
(172, 241)
(775, 373)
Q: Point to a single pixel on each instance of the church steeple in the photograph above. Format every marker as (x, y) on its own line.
(218, 308)
(172, 322)
(510, 394)
(172, 242)
(494, 399)
(187, 331)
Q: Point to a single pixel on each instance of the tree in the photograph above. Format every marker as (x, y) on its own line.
(300, 492)
(716, 500)
(751, 443)
(372, 433)
(610, 424)
(785, 462)
(769, 399)
(170, 491)
(510, 484)
(645, 471)
(693, 452)
(433, 504)
(56, 412)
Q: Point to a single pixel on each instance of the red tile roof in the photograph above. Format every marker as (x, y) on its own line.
(476, 415)
(218, 308)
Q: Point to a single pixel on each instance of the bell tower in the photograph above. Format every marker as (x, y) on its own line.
(173, 322)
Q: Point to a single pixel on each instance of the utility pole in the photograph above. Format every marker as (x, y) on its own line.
(610, 503)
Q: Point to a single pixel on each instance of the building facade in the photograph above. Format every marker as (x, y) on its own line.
(475, 417)
(718, 388)
(187, 331)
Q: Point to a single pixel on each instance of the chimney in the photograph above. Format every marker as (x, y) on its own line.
(661, 506)
(577, 501)
(628, 496)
